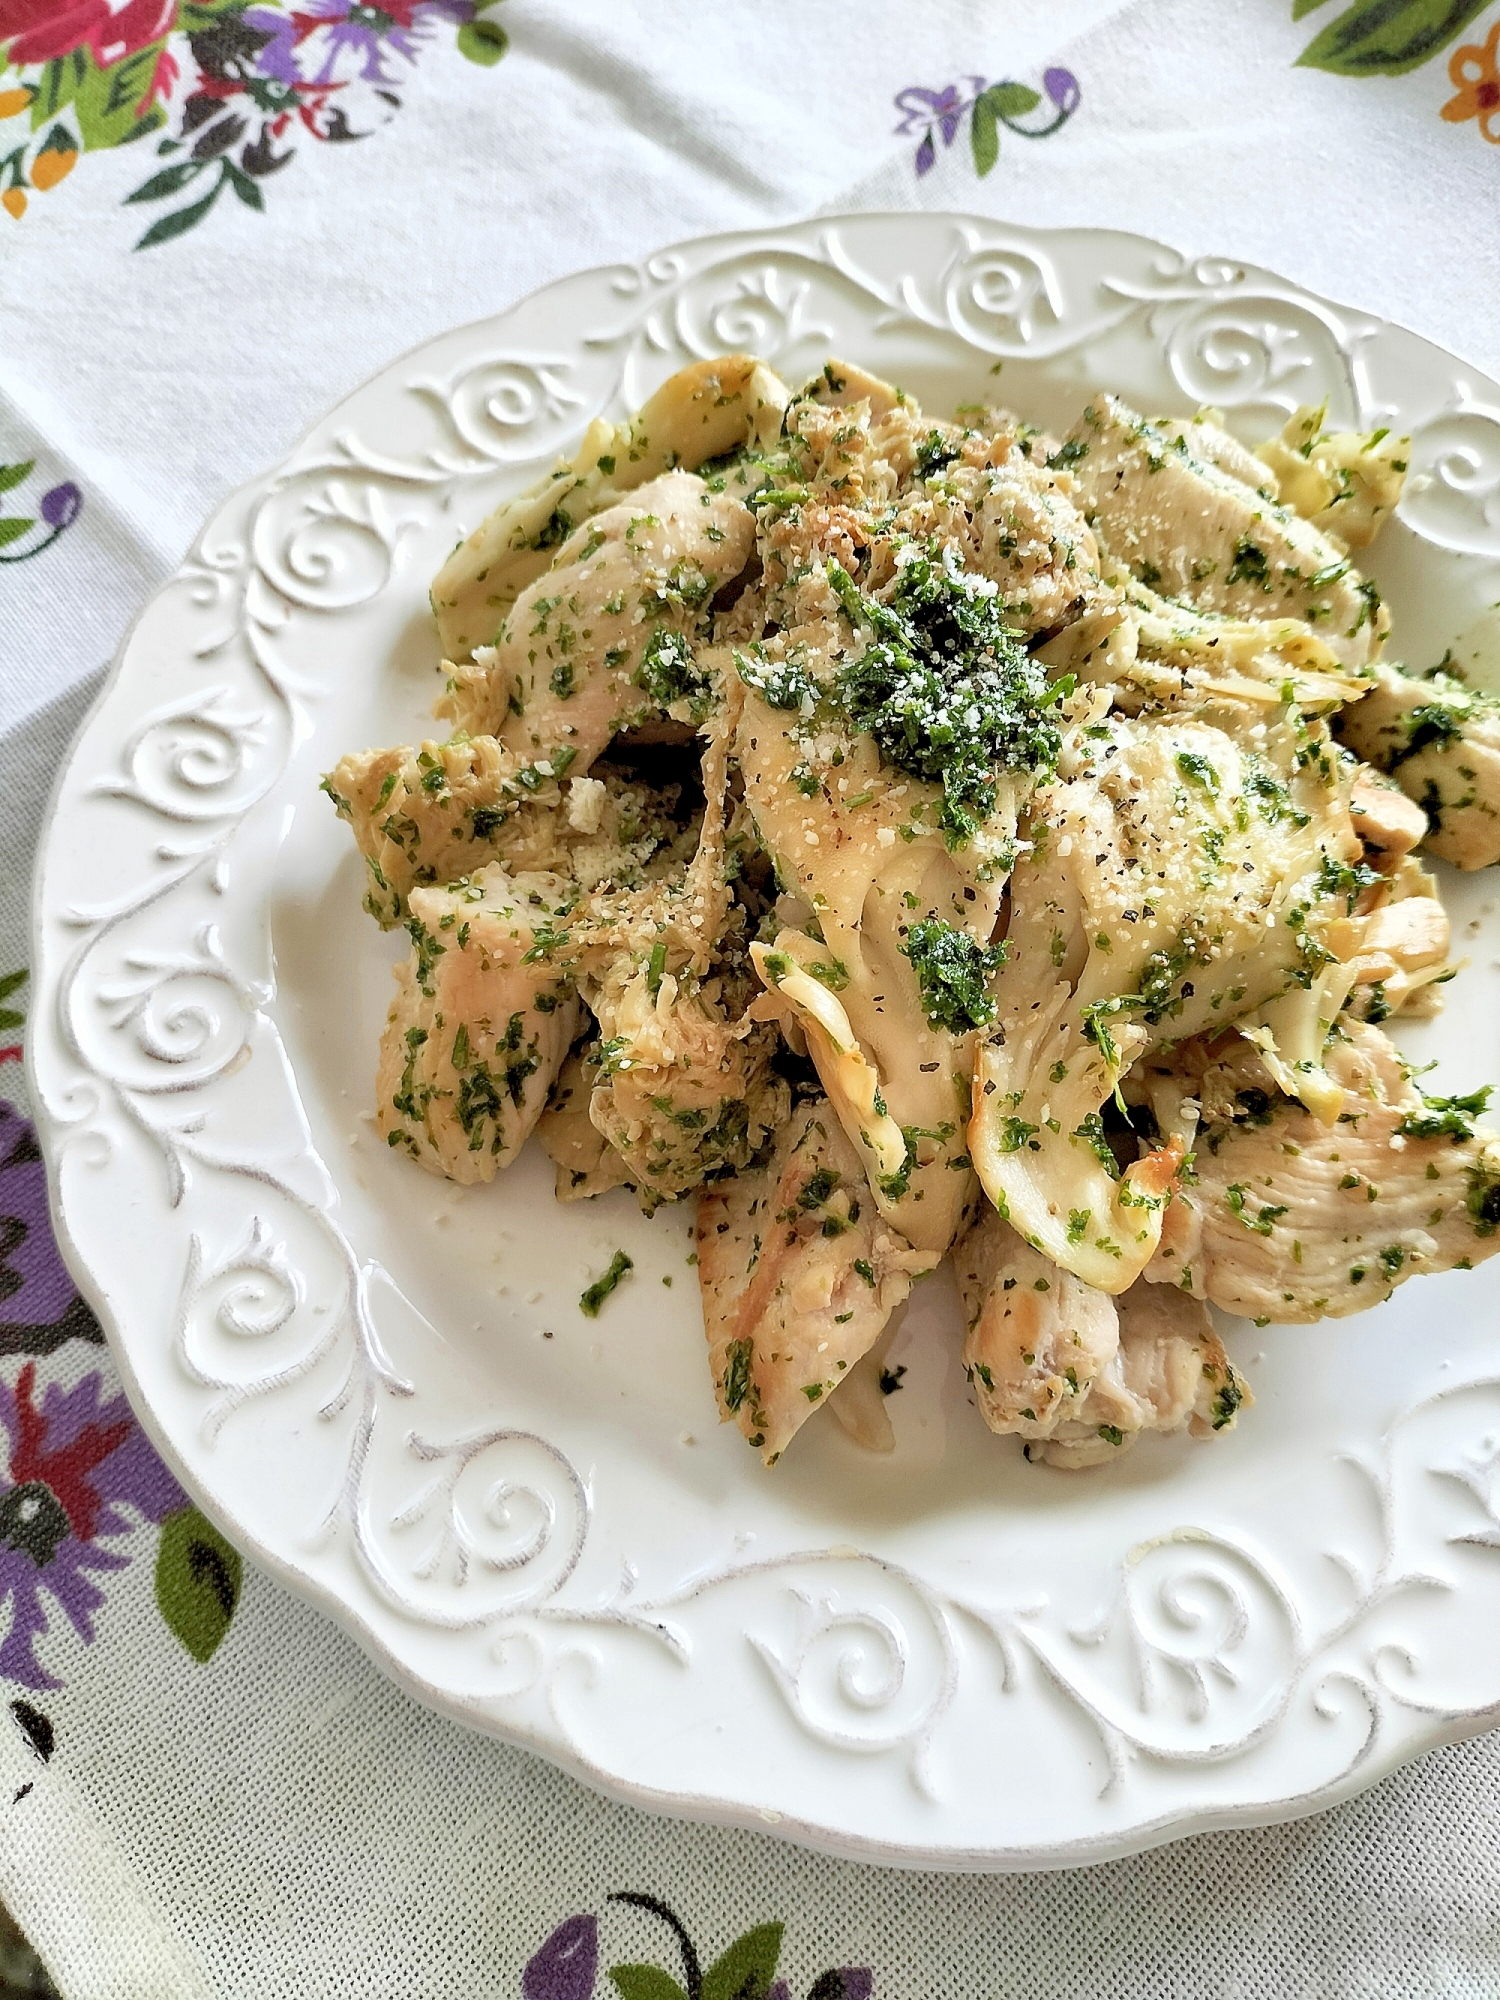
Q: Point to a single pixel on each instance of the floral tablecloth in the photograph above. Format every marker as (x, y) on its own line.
(218, 216)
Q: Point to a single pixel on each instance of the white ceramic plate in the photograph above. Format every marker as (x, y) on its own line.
(383, 1387)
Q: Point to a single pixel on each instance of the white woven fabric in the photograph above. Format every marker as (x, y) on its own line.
(280, 1820)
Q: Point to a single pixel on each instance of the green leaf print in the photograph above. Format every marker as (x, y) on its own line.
(181, 220)
(171, 180)
(197, 1581)
(1388, 37)
(1011, 100)
(984, 135)
(12, 527)
(12, 475)
(993, 108)
(105, 101)
(644, 1982)
(483, 42)
(12, 1017)
(746, 1970)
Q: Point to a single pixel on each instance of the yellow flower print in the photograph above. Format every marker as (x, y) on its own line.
(1475, 72)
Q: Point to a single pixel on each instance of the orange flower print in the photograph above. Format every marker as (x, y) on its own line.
(52, 164)
(1474, 70)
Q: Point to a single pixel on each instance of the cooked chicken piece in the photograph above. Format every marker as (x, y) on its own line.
(799, 1277)
(1393, 942)
(681, 1088)
(1291, 1220)
(1015, 521)
(1192, 530)
(476, 694)
(599, 641)
(1074, 1373)
(1409, 936)
(1344, 483)
(1037, 1336)
(438, 812)
(587, 1164)
(1386, 820)
(430, 814)
(1171, 1374)
(681, 1092)
(1440, 741)
(476, 1033)
(860, 478)
(699, 413)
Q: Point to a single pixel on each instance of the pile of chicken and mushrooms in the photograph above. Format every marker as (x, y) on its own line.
(908, 837)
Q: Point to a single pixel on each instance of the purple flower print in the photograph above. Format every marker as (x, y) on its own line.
(940, 114)
(1062, 87)
(61, 505)
(353, 36)
(345, 41)
(842, 1982)
(944, 107)
(59, 509)
(79, 1472)
(39, 1305)
(941, 110)
(567, 1965)
(276, 57)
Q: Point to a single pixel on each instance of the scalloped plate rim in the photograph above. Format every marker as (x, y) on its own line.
(1087, 1850)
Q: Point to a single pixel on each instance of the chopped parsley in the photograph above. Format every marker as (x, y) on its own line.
(951, 971)
(819, 1187)
(1446, 1117)
(1262, 1222)
(668, 671)
(1434, 725)
(1197, 769)
(1249, 565)
(946, 688)
(1346, 879)
(736, 1378)
(933, 453)
(784, 684)
(601, 1288)
(1226, 1403)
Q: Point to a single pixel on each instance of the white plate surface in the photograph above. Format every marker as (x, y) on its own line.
(383, 1386)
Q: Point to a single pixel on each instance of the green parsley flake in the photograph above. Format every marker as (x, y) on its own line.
(946, 688)
(952, 969)
(1446, 1117)
(601, 1288)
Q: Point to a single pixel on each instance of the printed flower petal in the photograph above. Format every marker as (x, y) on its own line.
(567, 1965)
(1063, 88)
(61, 505)
(78, 1468)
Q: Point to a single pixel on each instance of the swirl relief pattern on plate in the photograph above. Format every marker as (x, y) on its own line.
(728, 1656)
